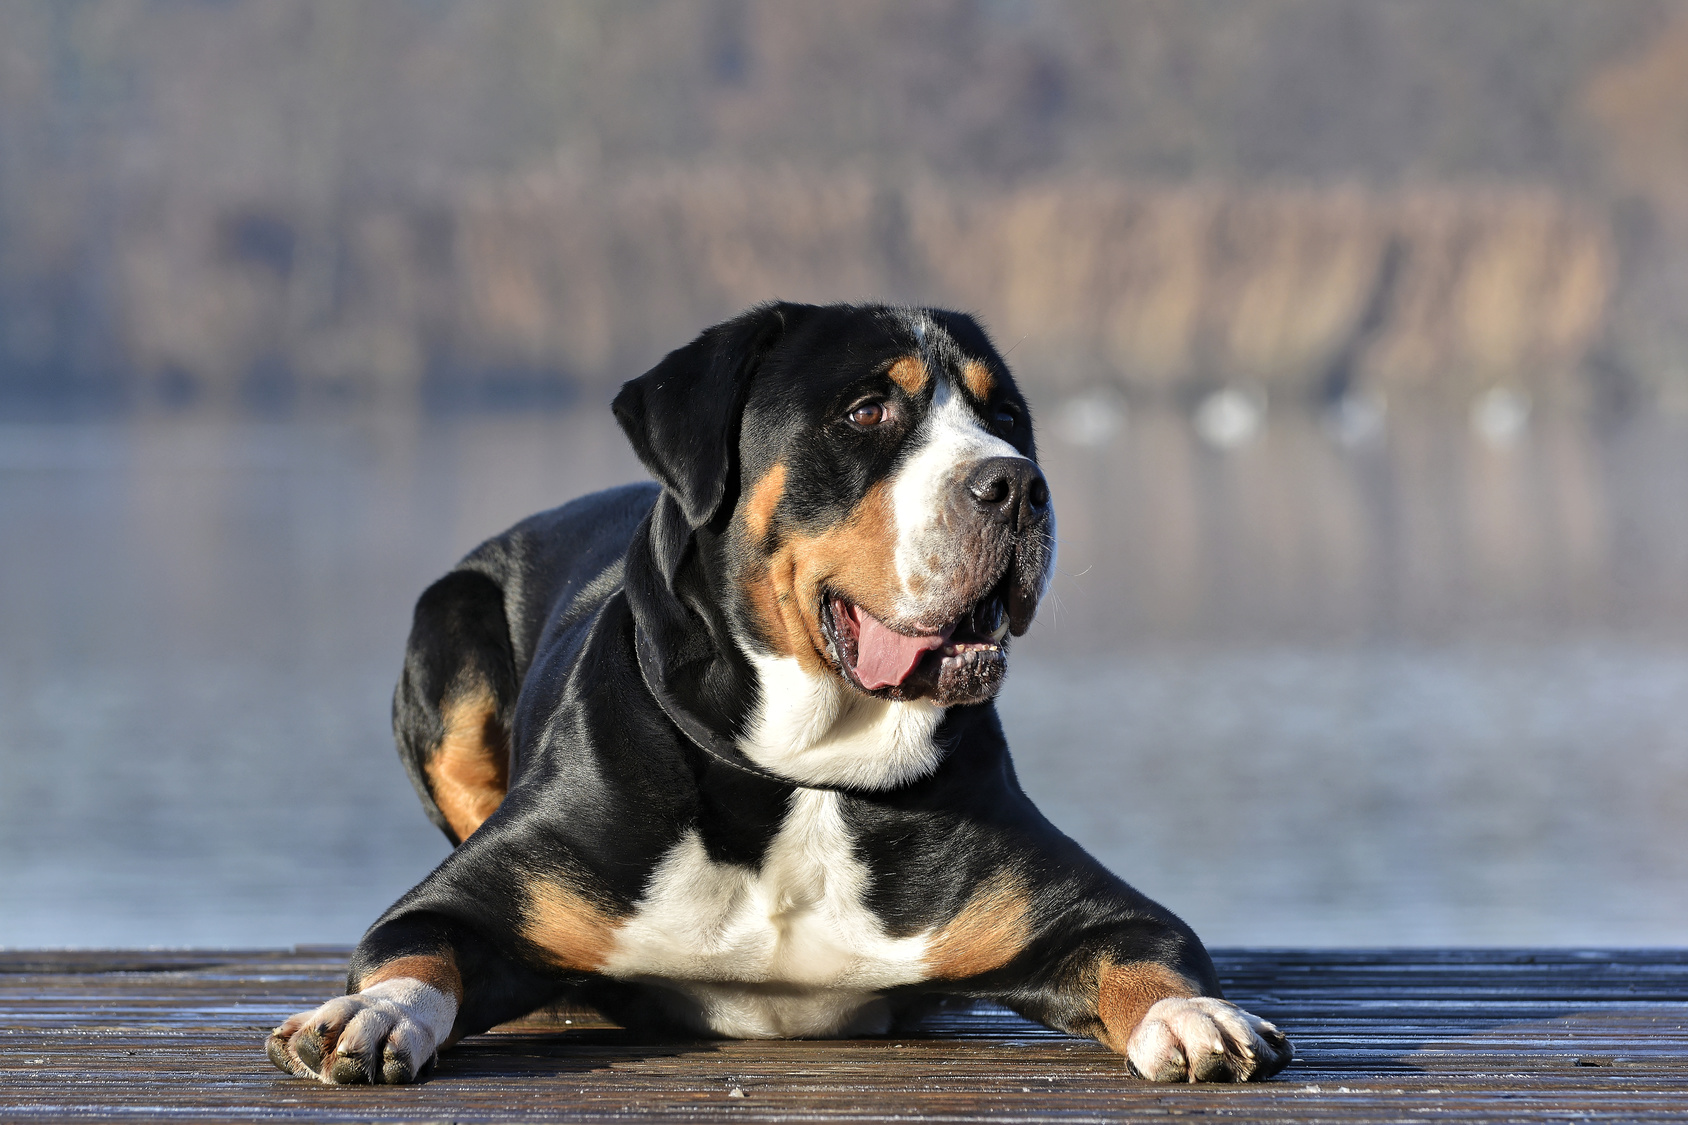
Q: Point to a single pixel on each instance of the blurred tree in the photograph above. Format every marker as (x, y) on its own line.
(251, 192)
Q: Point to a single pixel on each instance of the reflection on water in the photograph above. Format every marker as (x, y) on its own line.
(1340, 679)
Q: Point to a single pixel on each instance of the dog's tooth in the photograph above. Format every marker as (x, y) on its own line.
(999, 632)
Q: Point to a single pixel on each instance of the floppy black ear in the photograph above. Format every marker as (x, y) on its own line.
(682, 415)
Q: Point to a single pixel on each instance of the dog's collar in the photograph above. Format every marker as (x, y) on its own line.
(653, 559)
(694, 728)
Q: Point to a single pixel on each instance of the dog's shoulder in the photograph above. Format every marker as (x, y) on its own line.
(547, 562)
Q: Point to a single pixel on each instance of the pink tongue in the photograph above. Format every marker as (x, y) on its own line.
(885, 658)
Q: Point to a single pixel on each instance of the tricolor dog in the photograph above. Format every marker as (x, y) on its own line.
(720, 755)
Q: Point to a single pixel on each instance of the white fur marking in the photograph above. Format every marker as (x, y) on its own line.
(1178, 1035)
(955, 440)
(412, 1016)
(787, 950)
(420, 1003)
(818, 730)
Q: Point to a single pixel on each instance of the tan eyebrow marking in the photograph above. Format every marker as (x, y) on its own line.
(979, 379)
(910, 374)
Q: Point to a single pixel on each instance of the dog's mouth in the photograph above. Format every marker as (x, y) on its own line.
(962, 662)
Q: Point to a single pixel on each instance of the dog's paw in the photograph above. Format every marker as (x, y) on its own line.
(1202, 1039)
(388, 1033)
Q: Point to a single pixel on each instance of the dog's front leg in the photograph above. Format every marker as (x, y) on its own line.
(1154, 998)
(387, 1029)
(1169, 1031)
(417, 984)
(404, 993)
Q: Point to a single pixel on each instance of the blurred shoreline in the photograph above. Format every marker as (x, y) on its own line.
(1231, 516)
(260, 204)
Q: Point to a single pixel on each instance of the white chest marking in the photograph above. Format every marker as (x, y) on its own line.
(817, 730)
(789, 950)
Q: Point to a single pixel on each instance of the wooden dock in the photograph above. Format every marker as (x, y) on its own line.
(1405, 1035)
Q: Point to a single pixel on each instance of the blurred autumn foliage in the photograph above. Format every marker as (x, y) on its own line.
(270, 202)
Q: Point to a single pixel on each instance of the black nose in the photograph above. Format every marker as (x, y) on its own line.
(1009, 489)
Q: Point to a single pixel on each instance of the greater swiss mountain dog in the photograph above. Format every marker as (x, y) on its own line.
(720, 755)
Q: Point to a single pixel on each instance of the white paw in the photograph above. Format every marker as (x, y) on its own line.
(388, 1033)
(1201, 1039)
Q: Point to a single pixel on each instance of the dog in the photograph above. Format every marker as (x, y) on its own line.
(719, 754)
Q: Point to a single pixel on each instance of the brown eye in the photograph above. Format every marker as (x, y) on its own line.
(868, 414)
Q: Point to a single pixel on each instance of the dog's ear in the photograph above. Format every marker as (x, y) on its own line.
(682, 415)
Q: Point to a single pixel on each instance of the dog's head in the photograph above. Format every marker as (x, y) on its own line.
(868, 477)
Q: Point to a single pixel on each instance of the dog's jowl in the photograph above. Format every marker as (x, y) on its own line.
(720, 755)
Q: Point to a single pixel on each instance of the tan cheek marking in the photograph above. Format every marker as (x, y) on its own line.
(764, 601)
(438, 970)
(764, 498)
(575, 932)
(792, 611)
(910, 374)
(979, 379)
(990, 931)
(470, 772)
(857, 558)
(1124, 993)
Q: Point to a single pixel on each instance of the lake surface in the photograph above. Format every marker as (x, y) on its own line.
(1416, 678)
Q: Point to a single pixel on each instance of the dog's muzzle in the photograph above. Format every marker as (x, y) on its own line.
(1000, 543)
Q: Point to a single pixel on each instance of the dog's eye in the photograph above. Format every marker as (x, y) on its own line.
(1006, 419)
(869, 414)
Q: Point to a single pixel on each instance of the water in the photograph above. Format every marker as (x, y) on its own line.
(1406, 682)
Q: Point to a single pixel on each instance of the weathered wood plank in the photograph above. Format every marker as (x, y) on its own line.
(1382, 1035)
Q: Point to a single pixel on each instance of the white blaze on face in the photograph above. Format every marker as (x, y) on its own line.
(951, 441)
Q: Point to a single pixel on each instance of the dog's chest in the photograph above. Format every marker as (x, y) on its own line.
(788, 949)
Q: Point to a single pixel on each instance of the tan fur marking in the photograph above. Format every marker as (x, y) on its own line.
(575, 932)
(856, 559)
(988, 933)
(796, 626)
(764, 498)
(1124, 993)
(979, 379)
(764, 601)
(438, 970)
(910, 374)
(470, 772)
